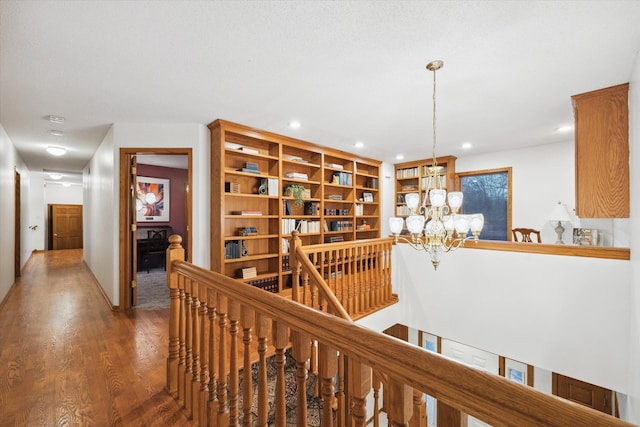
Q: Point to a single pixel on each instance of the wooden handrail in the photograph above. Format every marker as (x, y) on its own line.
(357, 274)
(486, 396)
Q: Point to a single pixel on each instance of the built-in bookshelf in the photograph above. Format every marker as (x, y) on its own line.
(413, 177)
(264, 186)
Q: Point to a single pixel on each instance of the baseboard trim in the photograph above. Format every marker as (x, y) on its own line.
(97, 283)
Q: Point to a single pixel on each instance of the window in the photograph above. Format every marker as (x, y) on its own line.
(488, 192)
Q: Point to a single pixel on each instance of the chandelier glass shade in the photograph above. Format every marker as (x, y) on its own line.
(435, 225)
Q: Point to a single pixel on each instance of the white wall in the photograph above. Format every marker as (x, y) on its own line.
(631, 407)
(37, 211)
(102, 198)
(9, 162)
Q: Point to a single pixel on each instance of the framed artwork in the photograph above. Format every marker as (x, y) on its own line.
(367, 197)
(152, 199)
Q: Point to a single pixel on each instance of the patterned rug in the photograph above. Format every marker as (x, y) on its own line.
(314, 404)
(152, 289)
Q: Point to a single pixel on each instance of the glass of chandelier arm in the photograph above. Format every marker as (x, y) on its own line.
(436, 228)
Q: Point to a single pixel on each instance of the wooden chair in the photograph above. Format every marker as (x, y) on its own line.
(524, 235)
(157, 244)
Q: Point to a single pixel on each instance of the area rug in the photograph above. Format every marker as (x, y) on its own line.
(314, 404)
(152, 289)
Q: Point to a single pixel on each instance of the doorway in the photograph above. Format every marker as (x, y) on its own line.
(65, 226)
(135, 232)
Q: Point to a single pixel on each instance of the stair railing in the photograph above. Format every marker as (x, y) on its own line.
(217, 323)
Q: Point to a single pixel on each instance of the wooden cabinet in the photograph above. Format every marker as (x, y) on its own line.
(602, 152)
(254, 208)
(413, 177)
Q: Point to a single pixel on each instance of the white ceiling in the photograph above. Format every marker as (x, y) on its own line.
(348, 71)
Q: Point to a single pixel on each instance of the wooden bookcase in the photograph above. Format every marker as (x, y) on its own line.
(412, 177)
(253, 213)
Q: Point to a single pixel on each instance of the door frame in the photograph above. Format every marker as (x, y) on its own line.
(17, 255)
(124, 234)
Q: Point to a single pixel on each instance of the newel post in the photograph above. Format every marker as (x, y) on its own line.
(294, 242)
(175, 252)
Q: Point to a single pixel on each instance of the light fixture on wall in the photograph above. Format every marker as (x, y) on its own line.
(435, 226)
(559, 213)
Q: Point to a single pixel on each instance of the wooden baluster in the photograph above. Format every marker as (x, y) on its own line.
(174, 252)
(280, 341)
(262, 330)
(247, 318)
(188, 373)
(353, 278)
(301, 347)
(223, 410)
(195, 336)
(314, 368)
(369, 279)
(204, 366)
(388, 290)
(212, 404)
(294, 242)
(234, 317)
(328, 368)
(400, 403)
(344, 288)
(359, 387)
(376, 399)
(361, 280)
(419, 418)
(182, 353)
(377, 277)
(342, 406)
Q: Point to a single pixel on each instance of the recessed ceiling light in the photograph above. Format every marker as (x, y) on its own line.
(55, 176)
(56, 132)
(66, 184)
(359, 144)
(400, 157)
(466, 145)
(57, 119)
(564, 128)
(56, 151)
(294, 125)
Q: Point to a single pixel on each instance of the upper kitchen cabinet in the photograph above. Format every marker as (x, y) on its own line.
(602, 152)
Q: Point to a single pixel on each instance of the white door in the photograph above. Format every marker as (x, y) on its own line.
(474, 357)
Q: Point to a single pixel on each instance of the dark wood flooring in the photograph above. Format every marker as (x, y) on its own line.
(67, 360)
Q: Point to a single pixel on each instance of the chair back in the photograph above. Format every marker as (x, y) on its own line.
(525, 234)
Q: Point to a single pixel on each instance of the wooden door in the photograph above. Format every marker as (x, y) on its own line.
(583, 393)
(18, 226)
(66, 226)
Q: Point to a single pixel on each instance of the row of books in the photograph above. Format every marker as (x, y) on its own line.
(269, 187)
(289, 225)
(372, 183)
(341, 225)
(250, 167)
(359, 209)
(333, 239)
(235, 249)
(334, 212)
(247, 213)
(342, 178)
(269, 284)
(428, 182)
(408, 173)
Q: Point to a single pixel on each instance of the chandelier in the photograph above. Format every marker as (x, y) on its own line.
(435, 226)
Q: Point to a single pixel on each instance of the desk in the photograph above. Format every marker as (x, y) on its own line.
(152, 247)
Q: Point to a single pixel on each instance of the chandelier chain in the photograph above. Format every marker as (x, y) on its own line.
(433, 152)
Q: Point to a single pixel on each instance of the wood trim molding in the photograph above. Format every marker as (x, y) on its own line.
(541, 248)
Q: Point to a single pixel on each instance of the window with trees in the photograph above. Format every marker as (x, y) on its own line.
(488, 192)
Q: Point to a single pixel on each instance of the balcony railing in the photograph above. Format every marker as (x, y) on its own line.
(218, 324)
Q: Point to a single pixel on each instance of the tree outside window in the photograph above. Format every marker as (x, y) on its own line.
(488, 192)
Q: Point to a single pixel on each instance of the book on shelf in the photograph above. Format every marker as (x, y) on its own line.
(372, 183)
(297, 175)
(287, 207)
(251, 165)
(248, 213)
(246, 272)
(334, 165)
(334, 197)
(311, 208)
(231, 187)
(342, 178)
(333, 239)
(269, 284)
(256, 171)
(249, 150)
(235, 249)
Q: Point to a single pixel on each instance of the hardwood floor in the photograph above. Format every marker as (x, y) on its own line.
(67, 360)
